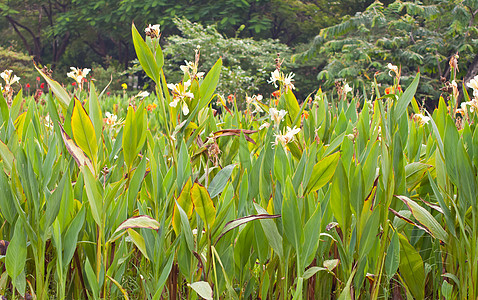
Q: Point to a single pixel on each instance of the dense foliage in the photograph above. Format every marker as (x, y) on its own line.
(162, 198)
(413, 35)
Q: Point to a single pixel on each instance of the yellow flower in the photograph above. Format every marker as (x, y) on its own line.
(124, 86)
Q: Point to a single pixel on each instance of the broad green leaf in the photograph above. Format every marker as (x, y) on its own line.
(271, 232)
(312, 271)
(203, 289)
(145, 56)
(208, 86)
(94, 110)
(392, 259)
(16, 255)
(138, 240)
(322, 172)
(292, 105)
(291, 221)
(57, 89)
(94, 196)
(425, 219)
(184, 200)
(7, 205)
(406, 98)
(75, 151)
(412, 269)
(346, 292)
(339, 198)
(134, 134)
(185, 227)
(238, 222)
(219, 181)
(7, 157)
(139, 222)
(203, 204)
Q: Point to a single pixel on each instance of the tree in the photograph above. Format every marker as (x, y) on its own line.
(414, 35)
(33, 21)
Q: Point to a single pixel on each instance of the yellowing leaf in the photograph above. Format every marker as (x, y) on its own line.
(184, 200)
(203, 204)
(83, 131)
(75, 151)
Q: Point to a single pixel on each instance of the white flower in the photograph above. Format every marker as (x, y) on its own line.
(110, 118)
(152, 30)
(347, 89)
(185, 108)
(259, 97)
(421, 119)
(287, 137)
(473, 83)
(7, 76)
(277, 115)
(174, 103)
(392, 68)
(473, 105)
(275, 76)
(78, 74)
(142, 94)
(288, 81)
(264, 125)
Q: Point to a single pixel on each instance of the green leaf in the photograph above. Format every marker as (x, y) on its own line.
(322, 172)
(7, 157)
(203, 289)
(184, 200)
(59, 92)
(291, 221)
(94, 110)
(425, 219)
(312, 271)
(292, 105)
(134, 134)
(339, 198)
(392, 259)
(219, 182)
(16, 255)
(412, 269)
(83, 131)
(75, 151)
(94, 196)
(406, 98)
(142, 221)
(186, 228)
(271, 232)
(238, 222)
(209, 84)
(203, 204)
(145, 56)
(138, 240)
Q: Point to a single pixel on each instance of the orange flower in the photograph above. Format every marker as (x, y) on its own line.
(391, 90)
(276, 93)
(305, 114)
(151, 107)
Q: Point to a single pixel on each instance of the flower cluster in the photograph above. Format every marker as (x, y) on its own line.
(421, 119)
(152, 31)
(473, 103)
(78, 74)
(180, 94)
(110, 119)
(285, 80)
(277, 115)
(9, 81)
(287, 137)
(151, 107)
